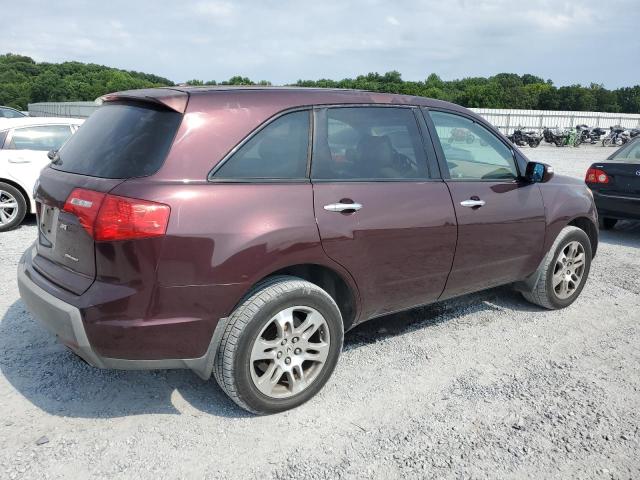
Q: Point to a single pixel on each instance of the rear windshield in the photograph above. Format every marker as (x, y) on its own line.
(120, 141)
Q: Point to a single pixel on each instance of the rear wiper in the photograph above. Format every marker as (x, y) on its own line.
(54, 157)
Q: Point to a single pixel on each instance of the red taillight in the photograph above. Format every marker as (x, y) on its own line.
(110, 217)
(85, 205)
(595, 175)
(123, 218)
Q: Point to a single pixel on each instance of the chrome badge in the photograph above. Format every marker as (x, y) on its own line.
(66, 255)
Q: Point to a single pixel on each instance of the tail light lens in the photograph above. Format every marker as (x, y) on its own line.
(85, 205)
(595, 175)
(110, 217)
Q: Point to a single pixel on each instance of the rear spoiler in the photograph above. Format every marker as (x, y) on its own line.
(174, 99)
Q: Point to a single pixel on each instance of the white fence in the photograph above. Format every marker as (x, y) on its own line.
(62, 109)
(509, 120)
(505, 120)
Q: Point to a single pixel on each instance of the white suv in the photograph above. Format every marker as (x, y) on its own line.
(24, 144)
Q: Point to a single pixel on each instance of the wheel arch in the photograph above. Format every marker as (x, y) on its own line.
(342, 289)
(586, 224)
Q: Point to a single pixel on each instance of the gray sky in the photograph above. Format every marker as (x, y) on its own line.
(283, 41)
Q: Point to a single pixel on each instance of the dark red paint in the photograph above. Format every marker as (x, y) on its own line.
(162, 297)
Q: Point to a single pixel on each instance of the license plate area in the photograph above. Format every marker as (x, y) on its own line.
(47, 225)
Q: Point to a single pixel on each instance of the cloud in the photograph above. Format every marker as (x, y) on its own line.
(214, 10)
(285, 40)
(392, 20)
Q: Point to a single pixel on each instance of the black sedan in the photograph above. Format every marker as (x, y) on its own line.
(615, 183)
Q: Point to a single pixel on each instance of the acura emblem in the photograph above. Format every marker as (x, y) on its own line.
(638, 172)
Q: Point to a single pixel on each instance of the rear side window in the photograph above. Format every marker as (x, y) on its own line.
(42, 138)
(120, 141)
(368, 143)
(3, 136)
(9, 113)
(277, 152)
(631, 153)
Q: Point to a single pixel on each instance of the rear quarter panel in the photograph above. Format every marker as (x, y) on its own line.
(221, 240)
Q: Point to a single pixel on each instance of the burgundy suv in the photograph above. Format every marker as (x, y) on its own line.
(241, 232)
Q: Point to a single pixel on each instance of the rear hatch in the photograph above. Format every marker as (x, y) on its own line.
(129, 136)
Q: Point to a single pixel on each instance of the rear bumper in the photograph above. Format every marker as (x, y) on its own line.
(65, 321)
(58, 317)
(617, 206)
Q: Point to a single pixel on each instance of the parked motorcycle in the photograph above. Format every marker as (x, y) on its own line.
(560, 138)
(589, 135)
(617, 136)
(522, 138)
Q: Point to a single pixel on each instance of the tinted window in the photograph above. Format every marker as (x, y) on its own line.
(3, 136)
(472, 151)
(10, 113)
(368, 143)
(44, 138)
(278, 151)
(120, 141)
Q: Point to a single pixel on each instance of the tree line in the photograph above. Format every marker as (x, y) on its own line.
(23, 81)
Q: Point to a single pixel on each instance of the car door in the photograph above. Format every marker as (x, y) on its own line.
(380, 213)
(501, 217)
(25, 150)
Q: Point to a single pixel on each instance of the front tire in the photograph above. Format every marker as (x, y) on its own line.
(280, 345)
(565, 270)
(13, 207)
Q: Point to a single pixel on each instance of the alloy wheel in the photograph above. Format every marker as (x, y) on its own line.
(568, 270)
(290, 352)
(8, 207)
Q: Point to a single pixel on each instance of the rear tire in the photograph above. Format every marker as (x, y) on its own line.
(13, 207)
(271, 326)
(607, 223)
(563, 275)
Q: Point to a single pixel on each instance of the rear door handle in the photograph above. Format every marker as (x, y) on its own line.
(342, 207)
(472, 203)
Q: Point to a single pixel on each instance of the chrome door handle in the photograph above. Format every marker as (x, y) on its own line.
(472, 203)
(341, 207)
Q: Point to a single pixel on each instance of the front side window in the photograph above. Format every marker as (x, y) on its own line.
(368, 143)
(279, 151)
(43, 138)
(471, 151)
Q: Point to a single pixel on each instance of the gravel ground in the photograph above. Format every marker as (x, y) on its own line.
(485, 386)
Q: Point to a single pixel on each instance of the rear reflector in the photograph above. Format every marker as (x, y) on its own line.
(110, 217)
(595, 175)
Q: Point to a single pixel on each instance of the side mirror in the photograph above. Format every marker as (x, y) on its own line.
(538, 172)
(52, 154)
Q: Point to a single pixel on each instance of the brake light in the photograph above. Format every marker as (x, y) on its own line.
(85, 205)
(110, 217)
(123, 218)
(595, 175)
